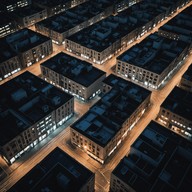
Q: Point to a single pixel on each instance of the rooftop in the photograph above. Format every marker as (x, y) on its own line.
(57, 172)
(179, 102)
(72, 17)
(75, 69)
(5, 19)
(180, 24)
(19, 42)
(27, 11)
(172, 173)
(188, 74)
(6, 52)
(115, 81)
(51, 3)
(25, 100)
(155, 53)
(102, 34)
(105, 118)
(24, 40)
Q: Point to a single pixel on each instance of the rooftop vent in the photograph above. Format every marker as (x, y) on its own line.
(56, 100)
(45, 108)
(19, 95)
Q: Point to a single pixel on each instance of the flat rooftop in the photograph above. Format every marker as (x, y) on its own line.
(24, 40)
(155, 53)
(115, 81)
(25, 100)
(179, 102)
(51, 3)
(5, 19)
(75, 16)
(75, 69)
(104, 119)
(18, 42)
(102, 34)
(172, 173)
(180, 24)
(188, 74)
(6, 52)
(27, 11)
(57, 172)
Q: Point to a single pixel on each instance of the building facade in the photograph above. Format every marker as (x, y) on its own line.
(9, 66)
(54, 7)
(73, 76)
(57, 172)
(7, 25)
(29, 15)
(179, 27)
(176, 111)
(73, 20)
(153, 61)
(12, 5)
(104, 127)
(158, 160)
(22, 49)
(99, 42)
(186, 80)
(30, 110)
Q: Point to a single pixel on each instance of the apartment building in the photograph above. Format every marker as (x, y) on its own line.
(22, 49)
(176, 112)
(124, 4)
(101, 41)
(101, 130)
(186, 80)
(158, 160)
(12, 5)
(29, 15)
(106, 38)
(73, 76)
(153, 61)
(8, 25)
(9, 61)
(179, 27)
(30, 110)
(75, 19)
(57, 172)
(54, 7)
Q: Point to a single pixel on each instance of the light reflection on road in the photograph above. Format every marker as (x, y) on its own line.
(62, 139)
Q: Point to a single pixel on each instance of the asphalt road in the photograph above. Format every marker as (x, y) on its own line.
(62, 136)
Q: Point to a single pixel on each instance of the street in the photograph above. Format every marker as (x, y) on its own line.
(61, 138)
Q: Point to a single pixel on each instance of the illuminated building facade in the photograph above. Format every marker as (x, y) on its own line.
(30, 110)
(54, 7)
(12, 5)
(7, 25)
(158, 160)
(29, 15)
(57, 172)
(73, 20)
(186, 80)
(102, 129)
(176, 112)
(178, 27)
(124, 4)
(22, 49)
(73, 75)
(153, 61)
(101, 41)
